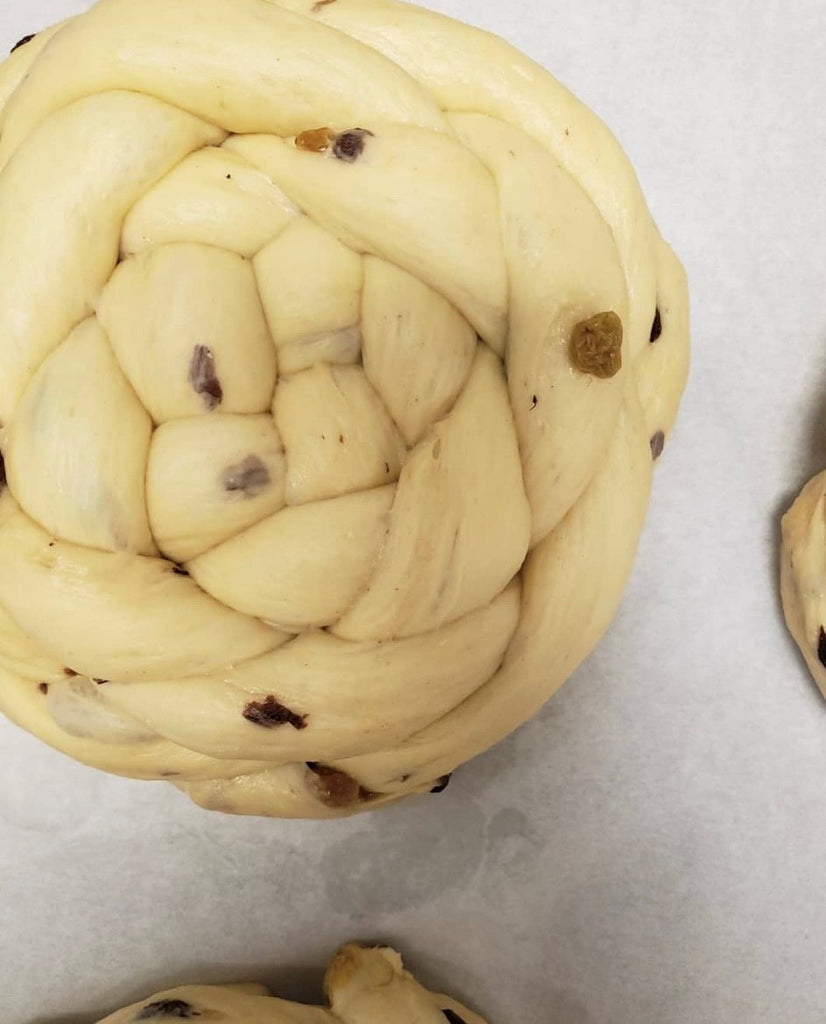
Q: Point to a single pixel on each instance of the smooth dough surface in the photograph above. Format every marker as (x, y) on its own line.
(363, 986)
(337, 345)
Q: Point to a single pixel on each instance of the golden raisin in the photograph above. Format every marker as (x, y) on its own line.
(315, 140)
(596, 345)
(335, 788)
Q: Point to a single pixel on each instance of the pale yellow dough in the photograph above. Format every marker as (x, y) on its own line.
(363, 986)
(306, 500)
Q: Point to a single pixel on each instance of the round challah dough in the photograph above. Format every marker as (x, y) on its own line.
(363, 986)
(337, 345)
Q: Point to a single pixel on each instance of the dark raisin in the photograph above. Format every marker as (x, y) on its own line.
(534, 401)
(821, 647)
(271, 714)
(168, 1008)
(657, 445)
(442, 784)
(202, 376)
(335, 788)
(452, 1017)
(656, 326)
(70, 672)
(23, 41)
(2, 472)
(350, 145)
(44, 687)
(251, 477)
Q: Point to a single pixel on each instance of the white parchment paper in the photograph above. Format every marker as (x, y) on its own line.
(651, 849)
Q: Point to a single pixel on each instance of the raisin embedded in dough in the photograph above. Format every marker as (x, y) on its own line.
(350, 145)
(249, 477)
(596, 345)
(315, 140)
(452, 1017)
(166, 1009)
(656, 327)
(271, 713)
(22, 42)
(203, 378)
(335, 788)
(657, 445)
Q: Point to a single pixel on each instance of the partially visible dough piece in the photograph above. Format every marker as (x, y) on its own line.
(363, 986)
(803, 575)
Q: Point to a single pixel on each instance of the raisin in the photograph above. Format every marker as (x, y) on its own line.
(168, 1008)
(271, 714)
(250, 477)
(656, 326)
(44, 687)
(657, 445)
(350, 145)
(23, 41)
(315, 140)
(202, 376)
(335, 788)
(452, 1017)
(596, 345)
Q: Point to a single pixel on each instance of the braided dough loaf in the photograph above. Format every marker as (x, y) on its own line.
(364, 986)
(337, 343)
